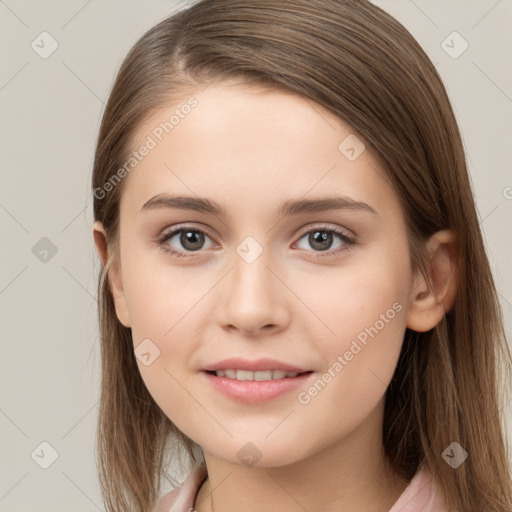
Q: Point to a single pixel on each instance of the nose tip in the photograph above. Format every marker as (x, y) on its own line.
(250, 301)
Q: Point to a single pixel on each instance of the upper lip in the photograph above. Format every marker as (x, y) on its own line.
(262, 364)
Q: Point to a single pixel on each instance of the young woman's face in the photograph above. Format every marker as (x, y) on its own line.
(269, 278)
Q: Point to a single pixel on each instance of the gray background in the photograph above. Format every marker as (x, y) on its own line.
(51, 110)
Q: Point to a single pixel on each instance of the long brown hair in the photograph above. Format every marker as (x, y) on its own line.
(357, 61)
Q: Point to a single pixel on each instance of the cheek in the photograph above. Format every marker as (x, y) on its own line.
(159, 295)
(167, 317)
(353, 296)
(363, 305)
(355, 379)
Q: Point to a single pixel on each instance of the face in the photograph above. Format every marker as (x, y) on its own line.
(324, 290)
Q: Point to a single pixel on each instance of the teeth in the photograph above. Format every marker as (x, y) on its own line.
(258, 376)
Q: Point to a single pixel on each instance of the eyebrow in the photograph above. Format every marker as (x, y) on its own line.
(290, 207)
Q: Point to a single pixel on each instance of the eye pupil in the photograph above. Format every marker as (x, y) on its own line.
(196, 238)
(324, 239)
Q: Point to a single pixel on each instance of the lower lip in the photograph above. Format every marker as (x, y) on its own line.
(249, 391)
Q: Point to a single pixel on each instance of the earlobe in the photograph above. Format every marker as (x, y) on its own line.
(432, 298)
(113, 272)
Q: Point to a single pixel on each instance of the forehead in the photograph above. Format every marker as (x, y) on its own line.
(247, 145)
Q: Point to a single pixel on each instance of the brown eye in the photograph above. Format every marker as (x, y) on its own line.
(321, 239)
(189, 240)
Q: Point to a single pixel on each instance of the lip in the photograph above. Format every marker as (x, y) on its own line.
(251, 392)
(263, 364)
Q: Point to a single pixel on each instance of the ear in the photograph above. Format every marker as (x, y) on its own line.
(113, 274)
(431, 299)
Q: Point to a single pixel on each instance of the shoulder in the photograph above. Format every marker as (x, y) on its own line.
(182, 498)
(421, 495)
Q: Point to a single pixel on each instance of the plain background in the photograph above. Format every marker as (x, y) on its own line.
(51, 111)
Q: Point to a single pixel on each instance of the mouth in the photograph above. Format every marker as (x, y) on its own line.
(252, 387)
(259, 376)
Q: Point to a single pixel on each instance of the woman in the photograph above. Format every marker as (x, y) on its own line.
(364, 377)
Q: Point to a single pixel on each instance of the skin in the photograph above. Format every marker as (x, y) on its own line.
(251, 150)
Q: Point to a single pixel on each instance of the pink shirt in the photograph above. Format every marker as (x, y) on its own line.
(419, 496)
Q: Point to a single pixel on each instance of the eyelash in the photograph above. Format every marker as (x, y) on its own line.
(348, 241)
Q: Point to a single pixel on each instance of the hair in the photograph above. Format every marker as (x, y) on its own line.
(362, 65)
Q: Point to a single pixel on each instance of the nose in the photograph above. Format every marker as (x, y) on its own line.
(253, 297)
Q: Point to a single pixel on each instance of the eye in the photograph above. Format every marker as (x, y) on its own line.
(321, 238)
(191, 239)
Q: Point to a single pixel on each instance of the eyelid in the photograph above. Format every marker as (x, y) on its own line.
(316, 225)
(186, 226)
(325, 227)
